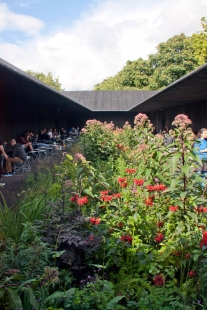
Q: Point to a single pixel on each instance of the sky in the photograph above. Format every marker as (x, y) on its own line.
(83, 42)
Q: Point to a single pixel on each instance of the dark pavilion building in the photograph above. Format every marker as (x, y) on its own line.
(28, 104)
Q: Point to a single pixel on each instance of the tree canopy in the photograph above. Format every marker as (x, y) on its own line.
(174, 58)
(47, 79)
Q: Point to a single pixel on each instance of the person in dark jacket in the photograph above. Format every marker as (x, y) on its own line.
(18, 156)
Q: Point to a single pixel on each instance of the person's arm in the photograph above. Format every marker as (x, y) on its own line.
(3, 152)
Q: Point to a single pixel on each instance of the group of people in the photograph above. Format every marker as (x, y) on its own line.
(26, 142)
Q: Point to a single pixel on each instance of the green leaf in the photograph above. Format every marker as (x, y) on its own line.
(32, 299)
(55, 295)
(14, 298)
(114, 301)
(194, 216)
(2, 292)
(147, 173)
(186, 169)
(183, 195)
(58, 254)
(174, 183)
(88, 192)
(175, 160)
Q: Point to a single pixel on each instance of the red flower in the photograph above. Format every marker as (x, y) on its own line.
(201, 209)
(120, 224)
(138, 182)
(74, 198)
(187, 256)
(104, 192)
(126, 238)
(82, 200)
(117, 195)
(95, 220)
(159, 280)
(203, 242)
(91, 237)
(201, 226)
(159, 237)
(156, 188)
(123, 185)
(119, 146)
(106, 197)
(131, 171)
(177, 253)
(192, 273)
(173, 208)
(121, 180)
(148, 201)
(160, 224)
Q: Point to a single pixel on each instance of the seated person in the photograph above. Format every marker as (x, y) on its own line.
(18, 156)
(24, 141)
(63, 133)
(201, 144)
(55, 133)
(35, 143)
(2, 156)
(43, 136)
(74, 133)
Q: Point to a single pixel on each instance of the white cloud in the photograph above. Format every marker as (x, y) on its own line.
(104, 38)
(10, 21)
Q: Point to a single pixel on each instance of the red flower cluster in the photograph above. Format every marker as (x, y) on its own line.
(204, 239)
(191, 273)
(160, 224)
(131, 171)
(159, 280)
(159, 237)
(201, 209)
(122, 182)
(126, 238)
(138, 182)
(156, 188)
(82, 200)
(149, 200)
(106, 197)
(173, 208)
(104, 192)
(95, 220)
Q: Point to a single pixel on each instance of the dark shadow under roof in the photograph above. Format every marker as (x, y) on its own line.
(110, 100)
(189, 89)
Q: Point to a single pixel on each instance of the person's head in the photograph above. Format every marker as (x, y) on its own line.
(13, 142)
(202, 133)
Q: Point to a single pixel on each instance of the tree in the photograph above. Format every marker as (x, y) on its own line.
(199, 43)
(47, 79)
(173, 59)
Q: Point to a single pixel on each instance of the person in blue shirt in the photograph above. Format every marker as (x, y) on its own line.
(201, 144)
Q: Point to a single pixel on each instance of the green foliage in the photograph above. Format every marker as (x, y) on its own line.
(176, 57)
(47, 79)
(137, 211)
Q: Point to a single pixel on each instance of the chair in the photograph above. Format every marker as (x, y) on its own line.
(20, 168)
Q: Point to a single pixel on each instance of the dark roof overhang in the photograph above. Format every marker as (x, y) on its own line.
(18, 85)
